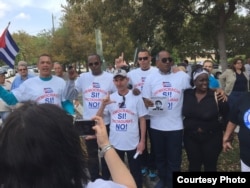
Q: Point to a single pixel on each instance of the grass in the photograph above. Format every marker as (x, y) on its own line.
(228, 161)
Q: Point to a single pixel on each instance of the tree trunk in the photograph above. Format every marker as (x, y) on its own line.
(222, 49)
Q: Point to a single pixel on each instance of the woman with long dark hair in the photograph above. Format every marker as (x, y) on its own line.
(234, 81)
(40, 148)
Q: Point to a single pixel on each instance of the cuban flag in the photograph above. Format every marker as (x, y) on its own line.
(8, 48)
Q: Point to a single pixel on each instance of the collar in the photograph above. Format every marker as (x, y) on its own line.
(165, 73)
(46, 78)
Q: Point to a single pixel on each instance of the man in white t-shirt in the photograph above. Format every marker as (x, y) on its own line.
(126, 110)
(167, 127)
(93, 87)
(44, 88)
(137, 78)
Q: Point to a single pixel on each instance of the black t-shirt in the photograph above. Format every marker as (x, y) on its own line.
(240, 115)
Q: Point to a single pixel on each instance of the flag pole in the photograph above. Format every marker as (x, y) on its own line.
(8, 25)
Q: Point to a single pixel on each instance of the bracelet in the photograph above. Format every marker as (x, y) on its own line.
(105, 149)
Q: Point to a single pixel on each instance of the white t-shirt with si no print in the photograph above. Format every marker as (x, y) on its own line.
(171, 86)
(41, 91)
(94, 89)
(124, 127)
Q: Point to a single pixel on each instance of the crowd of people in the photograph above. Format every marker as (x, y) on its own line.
(148, 114)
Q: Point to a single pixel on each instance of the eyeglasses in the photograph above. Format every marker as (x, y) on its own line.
(22, 69)
(121, 105)
(92, 64)
(166, 59)
(142, 58)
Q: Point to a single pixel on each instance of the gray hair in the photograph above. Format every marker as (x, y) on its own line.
(22, 63)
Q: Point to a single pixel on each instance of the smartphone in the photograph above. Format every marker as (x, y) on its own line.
(84, 127)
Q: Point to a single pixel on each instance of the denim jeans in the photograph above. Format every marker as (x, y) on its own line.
(168, 153)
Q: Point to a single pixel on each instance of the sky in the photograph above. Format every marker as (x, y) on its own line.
(30, 16)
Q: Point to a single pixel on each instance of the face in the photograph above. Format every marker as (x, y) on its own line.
(95, 65)
(158, 104)
(58, 69)
(201, 82)
(238, 65)
(208, 66)
(45, 66)
(121, 83)
(163, 63)
(23, 71)
(144, 60)
(2, 78)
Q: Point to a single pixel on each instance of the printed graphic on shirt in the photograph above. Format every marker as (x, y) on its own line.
(247, 119)
(168, 92)
(122, 118)
(48, 97)
(93, 96)
(140, 84)
(160, 106)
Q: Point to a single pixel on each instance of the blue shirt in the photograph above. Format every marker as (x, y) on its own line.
(18, 81)
(213, 82)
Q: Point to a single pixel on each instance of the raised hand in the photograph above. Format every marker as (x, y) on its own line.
(106, 100)
(120, 62)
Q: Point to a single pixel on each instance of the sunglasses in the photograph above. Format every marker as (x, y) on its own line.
(123, 102)
(22, 69)
(166, 59)
(142, 58)
(92, 64)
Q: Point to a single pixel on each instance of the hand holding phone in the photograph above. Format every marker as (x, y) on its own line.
(84, 127)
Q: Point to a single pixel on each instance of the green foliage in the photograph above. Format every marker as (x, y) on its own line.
(187, 28)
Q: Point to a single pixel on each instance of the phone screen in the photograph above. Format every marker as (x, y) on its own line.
(84, 127)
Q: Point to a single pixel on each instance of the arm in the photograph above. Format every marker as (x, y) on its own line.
(221, 95)
(70, 93)
(222, 79)
(8, 97)
(148, 102)
(224, 113)
(101, 110)
(118, 170)
(141, 145)
(68, 107)
(227, 135)
(105, 102)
